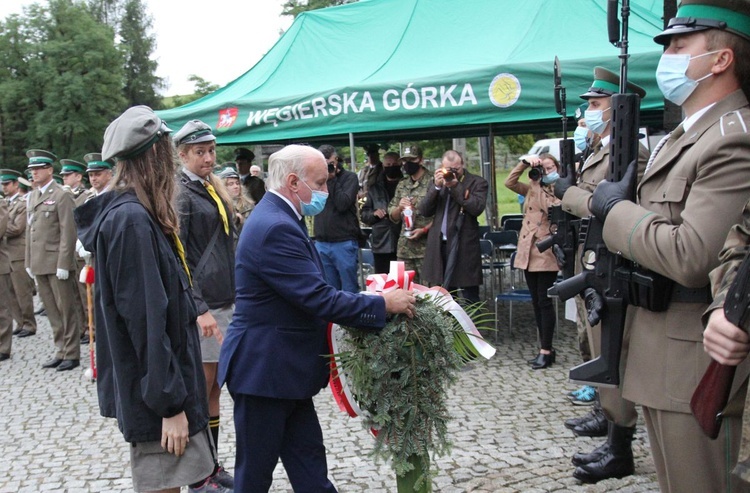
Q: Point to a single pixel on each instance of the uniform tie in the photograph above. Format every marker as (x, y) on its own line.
(219, 204)
(181, 254)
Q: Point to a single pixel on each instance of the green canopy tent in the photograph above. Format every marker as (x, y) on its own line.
(411, 69)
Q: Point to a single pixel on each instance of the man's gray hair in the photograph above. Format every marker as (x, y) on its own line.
(290, 159)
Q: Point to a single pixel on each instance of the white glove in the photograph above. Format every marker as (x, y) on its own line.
(63, 274)
(28, 271)
(82, 252)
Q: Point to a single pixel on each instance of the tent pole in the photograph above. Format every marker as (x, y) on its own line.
(351, 152)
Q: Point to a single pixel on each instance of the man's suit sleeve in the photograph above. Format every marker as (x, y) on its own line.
(475, 201)
(428, 206)
(289, 267)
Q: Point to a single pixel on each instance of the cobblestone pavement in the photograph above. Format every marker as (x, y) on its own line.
(507, 431)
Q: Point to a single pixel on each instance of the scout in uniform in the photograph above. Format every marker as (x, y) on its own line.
(409, 193)
(13, 244)
(687, 201)
(50, 258)
(612, 415)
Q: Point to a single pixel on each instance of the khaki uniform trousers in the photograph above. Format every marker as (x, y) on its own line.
(6, 320)
(61, 302)
(687, 460)
(22, 304)
(620, 411)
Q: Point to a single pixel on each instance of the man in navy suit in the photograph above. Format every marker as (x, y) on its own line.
(272, 357)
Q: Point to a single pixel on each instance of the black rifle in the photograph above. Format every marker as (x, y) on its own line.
(712, 394)
(610, 276)
(563, 239)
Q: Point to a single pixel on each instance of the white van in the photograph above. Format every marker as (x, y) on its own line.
(544, 146)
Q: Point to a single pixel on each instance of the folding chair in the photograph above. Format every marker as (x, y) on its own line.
(505, 217)
(505, 243)
(513, 224)
(487, 251)
(510, 296)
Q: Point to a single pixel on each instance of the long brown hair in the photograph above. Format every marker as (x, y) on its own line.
(151, 176)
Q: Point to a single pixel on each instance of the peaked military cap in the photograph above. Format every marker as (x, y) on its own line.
(24, 184)
(69, 166)
(133, 133)
(58, 179)
(193, 132)
(39, 158)
(9, 175)
(244, 153)
(94, 162)
(607, 83)
(698, 15)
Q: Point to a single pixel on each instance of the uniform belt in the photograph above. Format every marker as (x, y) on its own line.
(681, 294)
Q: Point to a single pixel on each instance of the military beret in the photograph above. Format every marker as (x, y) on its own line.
(698, 15)
(8, 175)
(39, 158)
(244, 153)
(94, 162)
(69, 166)
(193, 132)
(133, 133)
(606, 83)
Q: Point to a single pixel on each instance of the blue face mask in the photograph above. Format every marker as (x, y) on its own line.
(550, 178)
(671, 76)
(317, 202)
(595, 122)
(579, 138)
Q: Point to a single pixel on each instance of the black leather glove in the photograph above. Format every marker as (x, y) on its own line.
(563, 184)
(594, 306)
(559, 255)
(607, 194)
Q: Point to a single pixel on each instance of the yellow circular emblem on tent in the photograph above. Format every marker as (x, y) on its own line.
(504, 90)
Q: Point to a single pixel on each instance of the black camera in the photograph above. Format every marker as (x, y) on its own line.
(536, 173)
(449, 174)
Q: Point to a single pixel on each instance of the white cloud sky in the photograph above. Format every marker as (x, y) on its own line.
(218, 41)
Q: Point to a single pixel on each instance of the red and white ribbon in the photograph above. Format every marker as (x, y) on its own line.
(398, 277)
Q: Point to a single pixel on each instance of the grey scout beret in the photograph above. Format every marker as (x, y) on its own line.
(132, 133)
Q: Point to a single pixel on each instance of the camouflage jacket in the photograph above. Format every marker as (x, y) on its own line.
(416, 190)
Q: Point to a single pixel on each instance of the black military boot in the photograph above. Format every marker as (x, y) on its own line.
(616, 463)
(580, 458)
(592, 424)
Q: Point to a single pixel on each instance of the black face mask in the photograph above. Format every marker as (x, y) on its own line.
(393, 172)
(411, 167)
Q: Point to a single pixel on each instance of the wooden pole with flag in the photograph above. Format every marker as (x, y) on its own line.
(87, 277)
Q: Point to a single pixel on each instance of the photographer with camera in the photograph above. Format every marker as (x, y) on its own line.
(540, 269)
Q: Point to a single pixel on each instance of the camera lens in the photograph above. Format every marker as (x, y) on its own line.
(449, 175)
(535, 174)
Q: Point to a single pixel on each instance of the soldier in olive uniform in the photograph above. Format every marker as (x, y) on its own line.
(72, 173)
(6, 320)
(50, 258)
(14, 246)
(686, 203)
(409, 193)
(725, 342)
(99, 172)
(612, 415)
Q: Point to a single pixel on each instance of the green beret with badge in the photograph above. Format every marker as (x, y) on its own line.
(39, 158)
(606, 83)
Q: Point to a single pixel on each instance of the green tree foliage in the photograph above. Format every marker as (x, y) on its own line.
(202, 88)
(60, 81)
(296, 7)
(519, 144)
(137, 45)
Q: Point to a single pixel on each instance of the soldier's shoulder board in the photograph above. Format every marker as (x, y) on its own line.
(733, 122)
